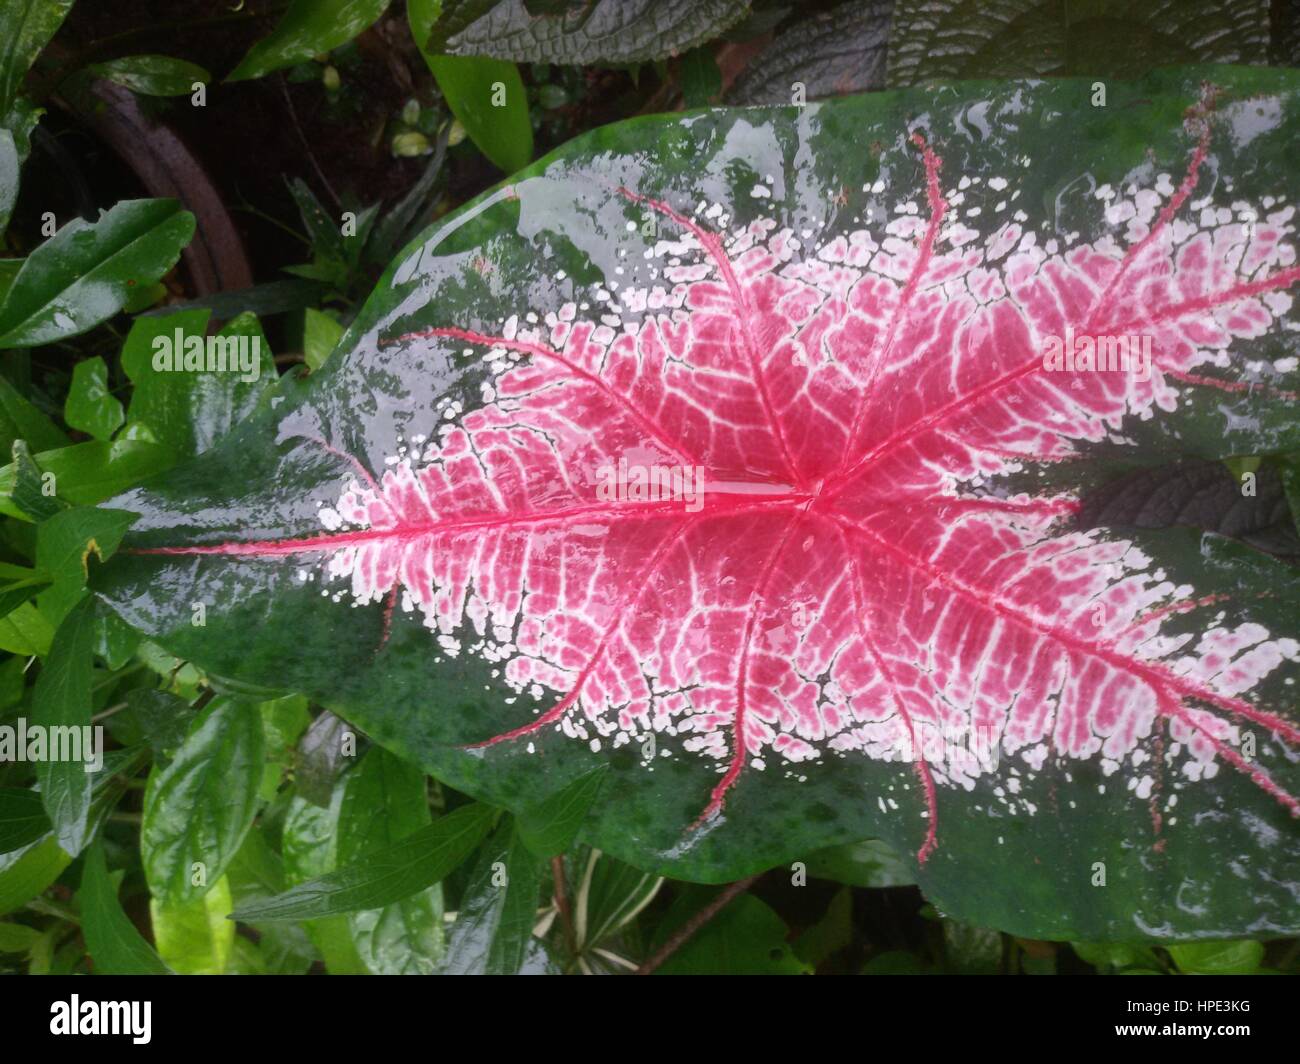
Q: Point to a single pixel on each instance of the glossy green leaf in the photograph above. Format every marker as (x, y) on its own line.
(308, 28)
(385, 800)
(152, 75)
(190, 389)
(195, 937)
(386, 875)
(198, 808)
(90, 406)
(493, 931)
(86, 473)
(309, 843)
(29, 26)
(61, 706)
(65, 541)
(736, 290)
(86, 272)
(599, 32)
(486, 95)
(114, 944)
(163, 718)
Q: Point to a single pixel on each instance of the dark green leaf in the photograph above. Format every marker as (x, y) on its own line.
(61, 705)
(22, 819)
(152, 75)
(29, 25)
(493, 932)
(745, 938)
(114, 945)
(384, 876)
(384, 801)
(550, 827)
(870, 863)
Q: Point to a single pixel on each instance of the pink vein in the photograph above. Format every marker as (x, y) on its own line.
(738, 754)
(1158, 679)
(631, 596)
(921, 766)
(714, 249)
(938, 208)
(571, 515)
(542, 351)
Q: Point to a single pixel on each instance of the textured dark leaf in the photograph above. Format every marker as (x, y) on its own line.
(599, 31)
(842, 316)
(830, 54)
(1111, 38)
(1199, 495)
(22, 819)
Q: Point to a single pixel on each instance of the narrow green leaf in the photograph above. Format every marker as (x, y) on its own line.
(90, 406)
(384, 801)
(493, 932)
(8, 178)
(89, 473)
(152, 75)
(384, 876)
(198, 808)
(19, 420)
(87, 271)
(308, 28)
(112, 941)
(17, 938)
(22, 819)
(486, 95)
(61, 704)
(550, 827)
(29, 25)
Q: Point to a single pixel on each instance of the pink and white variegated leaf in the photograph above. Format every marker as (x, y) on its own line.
(742, 452)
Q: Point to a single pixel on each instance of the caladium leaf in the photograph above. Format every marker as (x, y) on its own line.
(691, 450)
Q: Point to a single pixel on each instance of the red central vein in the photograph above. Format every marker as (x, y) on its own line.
(1159, 679)
(713, 248)
(919, 763)
(925, 251)
(631, 595)
(574, 515)
(962, 403)
(738, 752)
(1281, 279)
(543, 351)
